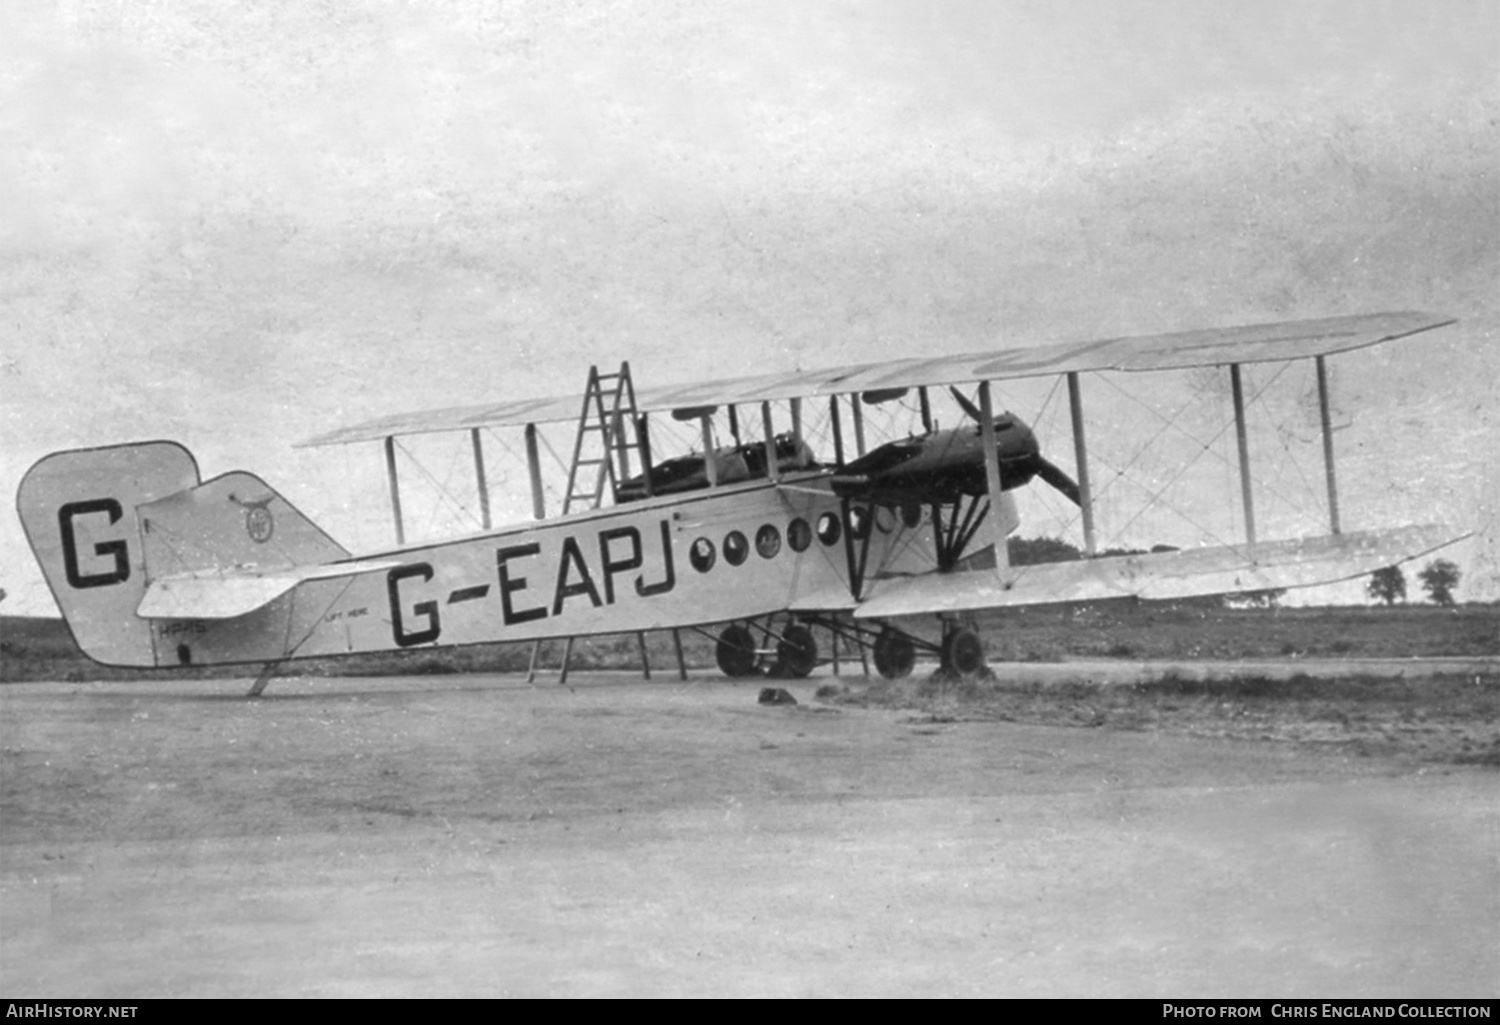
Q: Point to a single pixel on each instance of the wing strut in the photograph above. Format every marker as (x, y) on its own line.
(534, 469)
(992, 477)
(1081, 460)
(390, 470)
(643, 437)
(851, 562)
(1244, 447)
(838, 430)
(710, 464)
(773, 471)
(483, 486)
(1333, 490)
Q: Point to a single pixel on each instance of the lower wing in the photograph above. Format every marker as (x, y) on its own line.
(1266, 565)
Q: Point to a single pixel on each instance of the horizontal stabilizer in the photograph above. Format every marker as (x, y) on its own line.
(220, 594)
(1229, 569)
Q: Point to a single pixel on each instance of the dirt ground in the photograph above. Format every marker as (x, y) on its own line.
(477, 836)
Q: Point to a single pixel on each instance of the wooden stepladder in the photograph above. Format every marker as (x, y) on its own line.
(608, 429)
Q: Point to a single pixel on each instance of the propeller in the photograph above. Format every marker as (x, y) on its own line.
(968, 407)
(1052, 474)
(1039, 464)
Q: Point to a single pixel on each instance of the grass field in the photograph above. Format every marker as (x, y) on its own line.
(42, 649)
(1164, 630)
(1453, 718)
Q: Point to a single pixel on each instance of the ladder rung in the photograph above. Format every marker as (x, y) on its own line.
(608, 400)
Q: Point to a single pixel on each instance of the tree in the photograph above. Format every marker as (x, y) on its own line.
(1438, 580)
(1029, 551)
(1387, 585)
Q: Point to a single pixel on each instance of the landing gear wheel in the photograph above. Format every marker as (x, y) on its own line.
(796, 654)
(736, 652)
(894, 654)
(963, 652)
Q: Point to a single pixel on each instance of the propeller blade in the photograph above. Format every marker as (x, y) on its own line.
(968, 406)
(1050, 473)
(1046, 470)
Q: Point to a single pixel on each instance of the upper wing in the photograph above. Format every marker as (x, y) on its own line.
(1219, 570)
(1211, 346)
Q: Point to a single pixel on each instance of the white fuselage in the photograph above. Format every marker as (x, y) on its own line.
(724, 553)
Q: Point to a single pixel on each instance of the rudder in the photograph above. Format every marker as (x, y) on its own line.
(79, 511)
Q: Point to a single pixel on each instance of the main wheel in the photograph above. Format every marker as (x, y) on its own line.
(894, 654)
(797, 653)
(736, 651)
(963, 652)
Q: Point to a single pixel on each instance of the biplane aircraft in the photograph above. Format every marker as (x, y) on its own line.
(759, 541)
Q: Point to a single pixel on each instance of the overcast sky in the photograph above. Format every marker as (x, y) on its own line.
(241, 225)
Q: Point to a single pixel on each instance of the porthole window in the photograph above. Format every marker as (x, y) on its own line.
(799, 534)
(828, 528)
(767, 542)
(911, 515)
(859, 523)
(702, 555)
(885, 519)
(736, 548)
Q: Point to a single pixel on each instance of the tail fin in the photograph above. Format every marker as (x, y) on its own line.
(107, 523)
(78, 509)
(234, 522)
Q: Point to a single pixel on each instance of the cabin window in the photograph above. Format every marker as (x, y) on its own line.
(828, 528)
(768, 541)
(702, 555)
(798, 535)
(736, 548)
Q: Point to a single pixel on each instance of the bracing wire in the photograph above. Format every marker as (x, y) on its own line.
(441, 488)
(1155, 497)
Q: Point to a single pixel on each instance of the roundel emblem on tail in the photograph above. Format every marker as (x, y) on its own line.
(259, 523)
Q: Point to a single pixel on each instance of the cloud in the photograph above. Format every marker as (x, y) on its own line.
(244, 224)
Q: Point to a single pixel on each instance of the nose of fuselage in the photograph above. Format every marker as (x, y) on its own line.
(941, 464)
(1013, 438)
